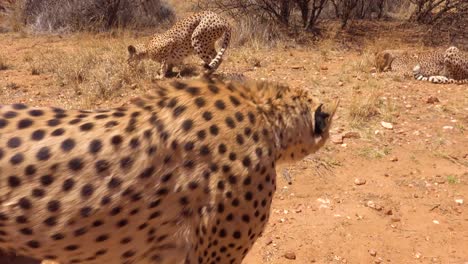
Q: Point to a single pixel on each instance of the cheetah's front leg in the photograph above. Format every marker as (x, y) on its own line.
(163, 71)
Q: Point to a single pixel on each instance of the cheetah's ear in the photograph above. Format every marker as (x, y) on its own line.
(131, 49)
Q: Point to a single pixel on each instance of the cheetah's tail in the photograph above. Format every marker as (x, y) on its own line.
(214, 64)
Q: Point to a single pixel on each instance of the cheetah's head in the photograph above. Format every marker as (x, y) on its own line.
(136, 53)
(383, 60)
(306, 129)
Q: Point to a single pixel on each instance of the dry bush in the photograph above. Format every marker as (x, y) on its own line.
(93, 15)
(290, 15)
(450, 30)
(256, 32)
(430, 11)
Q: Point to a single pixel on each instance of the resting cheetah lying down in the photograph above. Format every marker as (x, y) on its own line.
(197, 33)
(449, 66)
(185, 174)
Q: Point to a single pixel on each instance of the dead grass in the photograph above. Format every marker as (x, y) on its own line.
(251, 32)
(96, 72)
(12, 86)
(365, 103)
(3, 64)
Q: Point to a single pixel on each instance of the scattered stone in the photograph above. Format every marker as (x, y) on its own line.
(386, 125)
(459, 201)
(372, 252)
(435, 222)
(358, 181)
(378, 260)
(395, 218)
(337, 139)
(297, 67)
(324, 68)
(290, 255)
(432, 100)
(268, 241)
(394, 159)
(373, 70)
(373, 205)
(351, 134)
(448, 127)
(417, 255)
(340, 83)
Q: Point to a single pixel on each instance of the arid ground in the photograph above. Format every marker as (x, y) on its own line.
(392, 192)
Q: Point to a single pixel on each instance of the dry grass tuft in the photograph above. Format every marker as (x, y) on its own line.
(3, 64)
(365, 104)
(257, 34)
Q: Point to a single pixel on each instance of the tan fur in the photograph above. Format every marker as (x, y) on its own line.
(195, 34)
(185, 174)
(448, 66)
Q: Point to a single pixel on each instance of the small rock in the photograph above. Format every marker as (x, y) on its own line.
(394, 159)
(290, 255)
(440, 180)
(268, 241)
(435, 222)
(373, 205)
(432, 100)
(372, 252)
(386, 125)
(459, 201)
(378, 260)
(373, 70)
(297, 67)
(447, 127)
(358, 181)
(337, 139)
(340, 83)
(351, 134)
(324, 68)
(417, 255)
(395, 218)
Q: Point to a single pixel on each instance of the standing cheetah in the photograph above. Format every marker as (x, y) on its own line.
(197, 33)
(449, 66)
(185, 174)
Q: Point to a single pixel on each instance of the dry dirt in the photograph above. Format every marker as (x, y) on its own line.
(382, 196)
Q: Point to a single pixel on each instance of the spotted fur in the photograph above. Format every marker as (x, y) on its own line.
(449, 66)
(184, 174)
(195, 34)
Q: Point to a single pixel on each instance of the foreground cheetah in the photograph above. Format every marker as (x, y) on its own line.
(197, 33)
(185, 174)
(449, 66)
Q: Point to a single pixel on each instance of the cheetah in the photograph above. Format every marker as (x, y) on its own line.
(195, 34)
(183, 174)
(449, 66)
